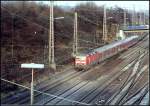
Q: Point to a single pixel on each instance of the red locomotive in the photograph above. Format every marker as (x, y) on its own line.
(85, 60)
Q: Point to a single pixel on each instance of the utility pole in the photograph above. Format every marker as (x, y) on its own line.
(140, 18)
(98, 37)
(75, 36)
(133, 16)
(12, 45)
(124, 18)
(51, 38)
(32, 89)
(144, 18)
(104, 26)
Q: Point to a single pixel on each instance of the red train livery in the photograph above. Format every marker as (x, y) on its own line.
(84, 60)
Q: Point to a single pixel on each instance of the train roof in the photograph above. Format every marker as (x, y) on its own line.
(106, 47)
(85, 52)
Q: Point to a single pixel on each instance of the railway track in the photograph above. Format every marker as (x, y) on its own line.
(118, 96)
(80, 88)
(73, 80)
(141, 79)
(66, 93)
(10, 100)
(44, 84)
(136, 99)
(145, 100)
(136, 77)
(60, 102)
(91, 97)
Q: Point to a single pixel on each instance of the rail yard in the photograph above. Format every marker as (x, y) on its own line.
(106, 83)
(98, 72)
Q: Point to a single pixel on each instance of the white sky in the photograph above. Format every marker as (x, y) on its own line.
(139, 5)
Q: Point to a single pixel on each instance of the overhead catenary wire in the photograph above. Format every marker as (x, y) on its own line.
(47, 28)
(5, 80)
(44, 93)
(57, 32)
(60, 34)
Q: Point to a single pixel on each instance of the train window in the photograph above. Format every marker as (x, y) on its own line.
(105, 53)
(102, 55)
(109, 52)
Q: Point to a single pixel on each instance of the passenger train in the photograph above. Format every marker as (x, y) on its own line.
(84, 60)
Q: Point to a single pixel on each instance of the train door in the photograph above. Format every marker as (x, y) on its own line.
(87, 59)
(117, 47)
(100, 56)
(108, 53)
(104, 54)
(94, 57)
(126, 46)
(111, 51)
(121, 46)
(90, 58)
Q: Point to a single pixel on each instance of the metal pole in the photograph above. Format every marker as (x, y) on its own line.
(104, 25)
(140, 20)
(32, 89)
(52, 33)
(143, 18)
(76, 32)
(12, 46)
(49, 56)
(51, 38)
(75, 38)
(133, 16)
(124, 19)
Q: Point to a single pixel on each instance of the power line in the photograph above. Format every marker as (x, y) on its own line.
(47, 28)
(88, 20)
(55, 96)
(43, 26)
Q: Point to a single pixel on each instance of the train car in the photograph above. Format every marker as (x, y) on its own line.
(84, 61)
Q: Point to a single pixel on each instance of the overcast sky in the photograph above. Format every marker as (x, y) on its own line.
(139, 5)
